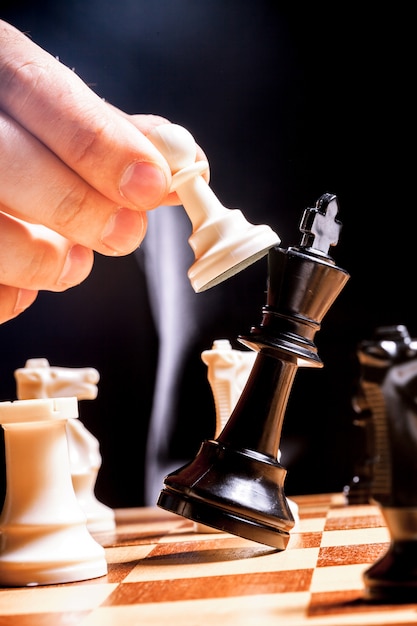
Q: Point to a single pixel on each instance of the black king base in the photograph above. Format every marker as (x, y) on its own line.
(235, 483)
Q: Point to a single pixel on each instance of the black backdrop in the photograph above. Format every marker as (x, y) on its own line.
(288, 103)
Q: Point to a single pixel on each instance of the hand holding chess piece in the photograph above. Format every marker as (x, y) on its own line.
(223, 242)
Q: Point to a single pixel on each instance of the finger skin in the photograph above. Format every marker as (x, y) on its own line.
(14, 301)
(146, 123)
(77, 175)
(39, 188)
(34, 258)
(57, 107)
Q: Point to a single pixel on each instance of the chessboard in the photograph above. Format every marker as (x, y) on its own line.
(162, 571)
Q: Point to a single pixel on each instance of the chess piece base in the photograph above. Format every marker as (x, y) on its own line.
(393, 578)
(234, 245)
(236, 491)
(48, 556)
(225, 521)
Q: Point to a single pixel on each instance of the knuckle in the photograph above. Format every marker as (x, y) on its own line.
(35, 271)
(84, 145)
(69, 213)
(21, 82)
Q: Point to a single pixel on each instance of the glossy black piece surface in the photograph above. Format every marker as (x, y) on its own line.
(388, 388)
(235, 483)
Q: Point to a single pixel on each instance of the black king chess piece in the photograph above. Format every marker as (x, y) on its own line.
(235, 483)
(389, 386)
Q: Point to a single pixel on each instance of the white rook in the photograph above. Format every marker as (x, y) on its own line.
(44, 535)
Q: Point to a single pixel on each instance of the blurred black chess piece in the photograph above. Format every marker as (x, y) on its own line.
(359, 489)
(389, 384)
(235, 483)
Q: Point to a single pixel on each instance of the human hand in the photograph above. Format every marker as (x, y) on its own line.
(76, 175)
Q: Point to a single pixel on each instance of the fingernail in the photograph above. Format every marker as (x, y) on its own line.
(77, 266)
(24, 298)
(124, 231)
(144, 184)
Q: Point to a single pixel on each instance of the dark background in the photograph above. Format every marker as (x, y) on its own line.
(288, 103)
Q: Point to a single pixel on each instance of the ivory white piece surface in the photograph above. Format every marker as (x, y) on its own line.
(227, 372)
(38, 379)
(43, 529)
(223, 241)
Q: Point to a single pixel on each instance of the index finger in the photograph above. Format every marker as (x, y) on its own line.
(57, 107)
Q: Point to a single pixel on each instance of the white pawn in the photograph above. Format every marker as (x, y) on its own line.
(44, 535)
(223, 241)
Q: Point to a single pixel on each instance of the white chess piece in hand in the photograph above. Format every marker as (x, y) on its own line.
(223, 241)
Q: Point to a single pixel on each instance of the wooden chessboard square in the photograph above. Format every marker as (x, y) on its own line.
(338, 578)
(69, 597)
(308, 525)
(121, 560)
(351, 554)
(43, 619)
(219, 556)
(355, 536)
(348, 607)
(221, 586)
(304, 540)
(354, 516)
(263, 610)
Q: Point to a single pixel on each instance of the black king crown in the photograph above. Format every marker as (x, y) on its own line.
(235, 483)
